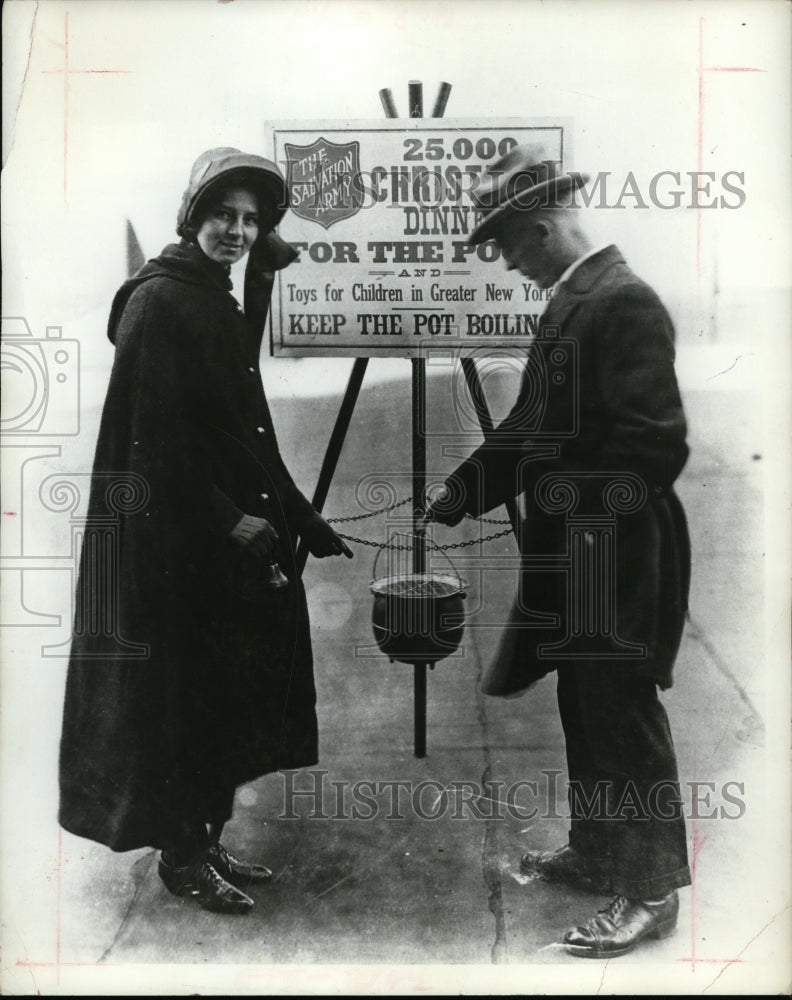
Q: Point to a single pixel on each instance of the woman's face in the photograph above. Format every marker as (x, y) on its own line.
(230, 226)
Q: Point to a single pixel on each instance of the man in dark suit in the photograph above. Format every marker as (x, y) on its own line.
(594, 443)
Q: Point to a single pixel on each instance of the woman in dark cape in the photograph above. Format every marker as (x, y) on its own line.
(190, 673)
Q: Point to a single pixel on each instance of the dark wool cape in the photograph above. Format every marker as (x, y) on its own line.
(224, 690)
(599, 411)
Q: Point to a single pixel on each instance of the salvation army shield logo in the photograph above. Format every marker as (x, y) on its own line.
(324, 180)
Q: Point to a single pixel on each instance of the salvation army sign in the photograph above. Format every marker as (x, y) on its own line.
(380, 212)
(321, 179)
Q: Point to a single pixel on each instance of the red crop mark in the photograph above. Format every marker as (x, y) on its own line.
(698, 842)
(700, 136)
(68, 72)
(738, 959)
(702, 69)
(10, 513)
(58, 910)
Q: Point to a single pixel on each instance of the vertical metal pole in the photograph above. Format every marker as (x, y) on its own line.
(419, 538)
(415, 110)
(415, 99)
(418, 461)
(415, 105)
(419, 710)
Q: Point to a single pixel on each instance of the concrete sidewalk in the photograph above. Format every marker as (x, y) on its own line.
(444, 887)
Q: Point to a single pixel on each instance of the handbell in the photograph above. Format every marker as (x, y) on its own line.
(274, 577)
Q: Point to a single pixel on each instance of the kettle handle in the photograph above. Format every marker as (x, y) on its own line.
(411, 535)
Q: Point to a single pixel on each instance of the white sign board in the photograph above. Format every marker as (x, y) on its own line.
(381, 213)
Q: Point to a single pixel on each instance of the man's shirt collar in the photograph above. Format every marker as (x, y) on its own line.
(576, 264)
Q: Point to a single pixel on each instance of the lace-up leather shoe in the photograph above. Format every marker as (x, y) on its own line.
(621, 925)
(204, 881)
(566, 867)
(237, 872)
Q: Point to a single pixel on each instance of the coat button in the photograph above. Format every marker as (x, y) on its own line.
(252, 371)
(260, 430)
(265, 496)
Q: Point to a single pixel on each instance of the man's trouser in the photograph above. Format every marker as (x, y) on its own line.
(624, 788)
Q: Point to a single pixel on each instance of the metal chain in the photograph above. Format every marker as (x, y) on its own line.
(475, 541)
(375, 545)
(373, 513)
(406, 548)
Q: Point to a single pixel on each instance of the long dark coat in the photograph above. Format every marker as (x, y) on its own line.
(225, 690)
(605, 409)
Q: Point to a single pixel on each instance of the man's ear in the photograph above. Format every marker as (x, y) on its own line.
(543, 231)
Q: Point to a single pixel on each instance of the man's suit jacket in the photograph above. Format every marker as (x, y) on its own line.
(594, 441)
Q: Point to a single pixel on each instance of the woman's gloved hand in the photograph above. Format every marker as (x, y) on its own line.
(322, 540)
(256, 535)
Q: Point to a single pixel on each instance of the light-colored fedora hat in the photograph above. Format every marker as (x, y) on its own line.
(525, 179)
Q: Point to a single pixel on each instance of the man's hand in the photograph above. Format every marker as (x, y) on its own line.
(437, 510)
(256, 535)
(322, 540)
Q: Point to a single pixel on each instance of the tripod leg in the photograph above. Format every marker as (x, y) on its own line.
(476, 390)
(334, 446)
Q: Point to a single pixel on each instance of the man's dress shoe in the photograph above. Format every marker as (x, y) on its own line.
(204, 881)
(566, 867)
(622, 925)
(238, 873)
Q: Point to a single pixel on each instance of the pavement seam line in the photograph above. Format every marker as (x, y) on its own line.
(698, 634)
(140, 881)
(499, 952)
